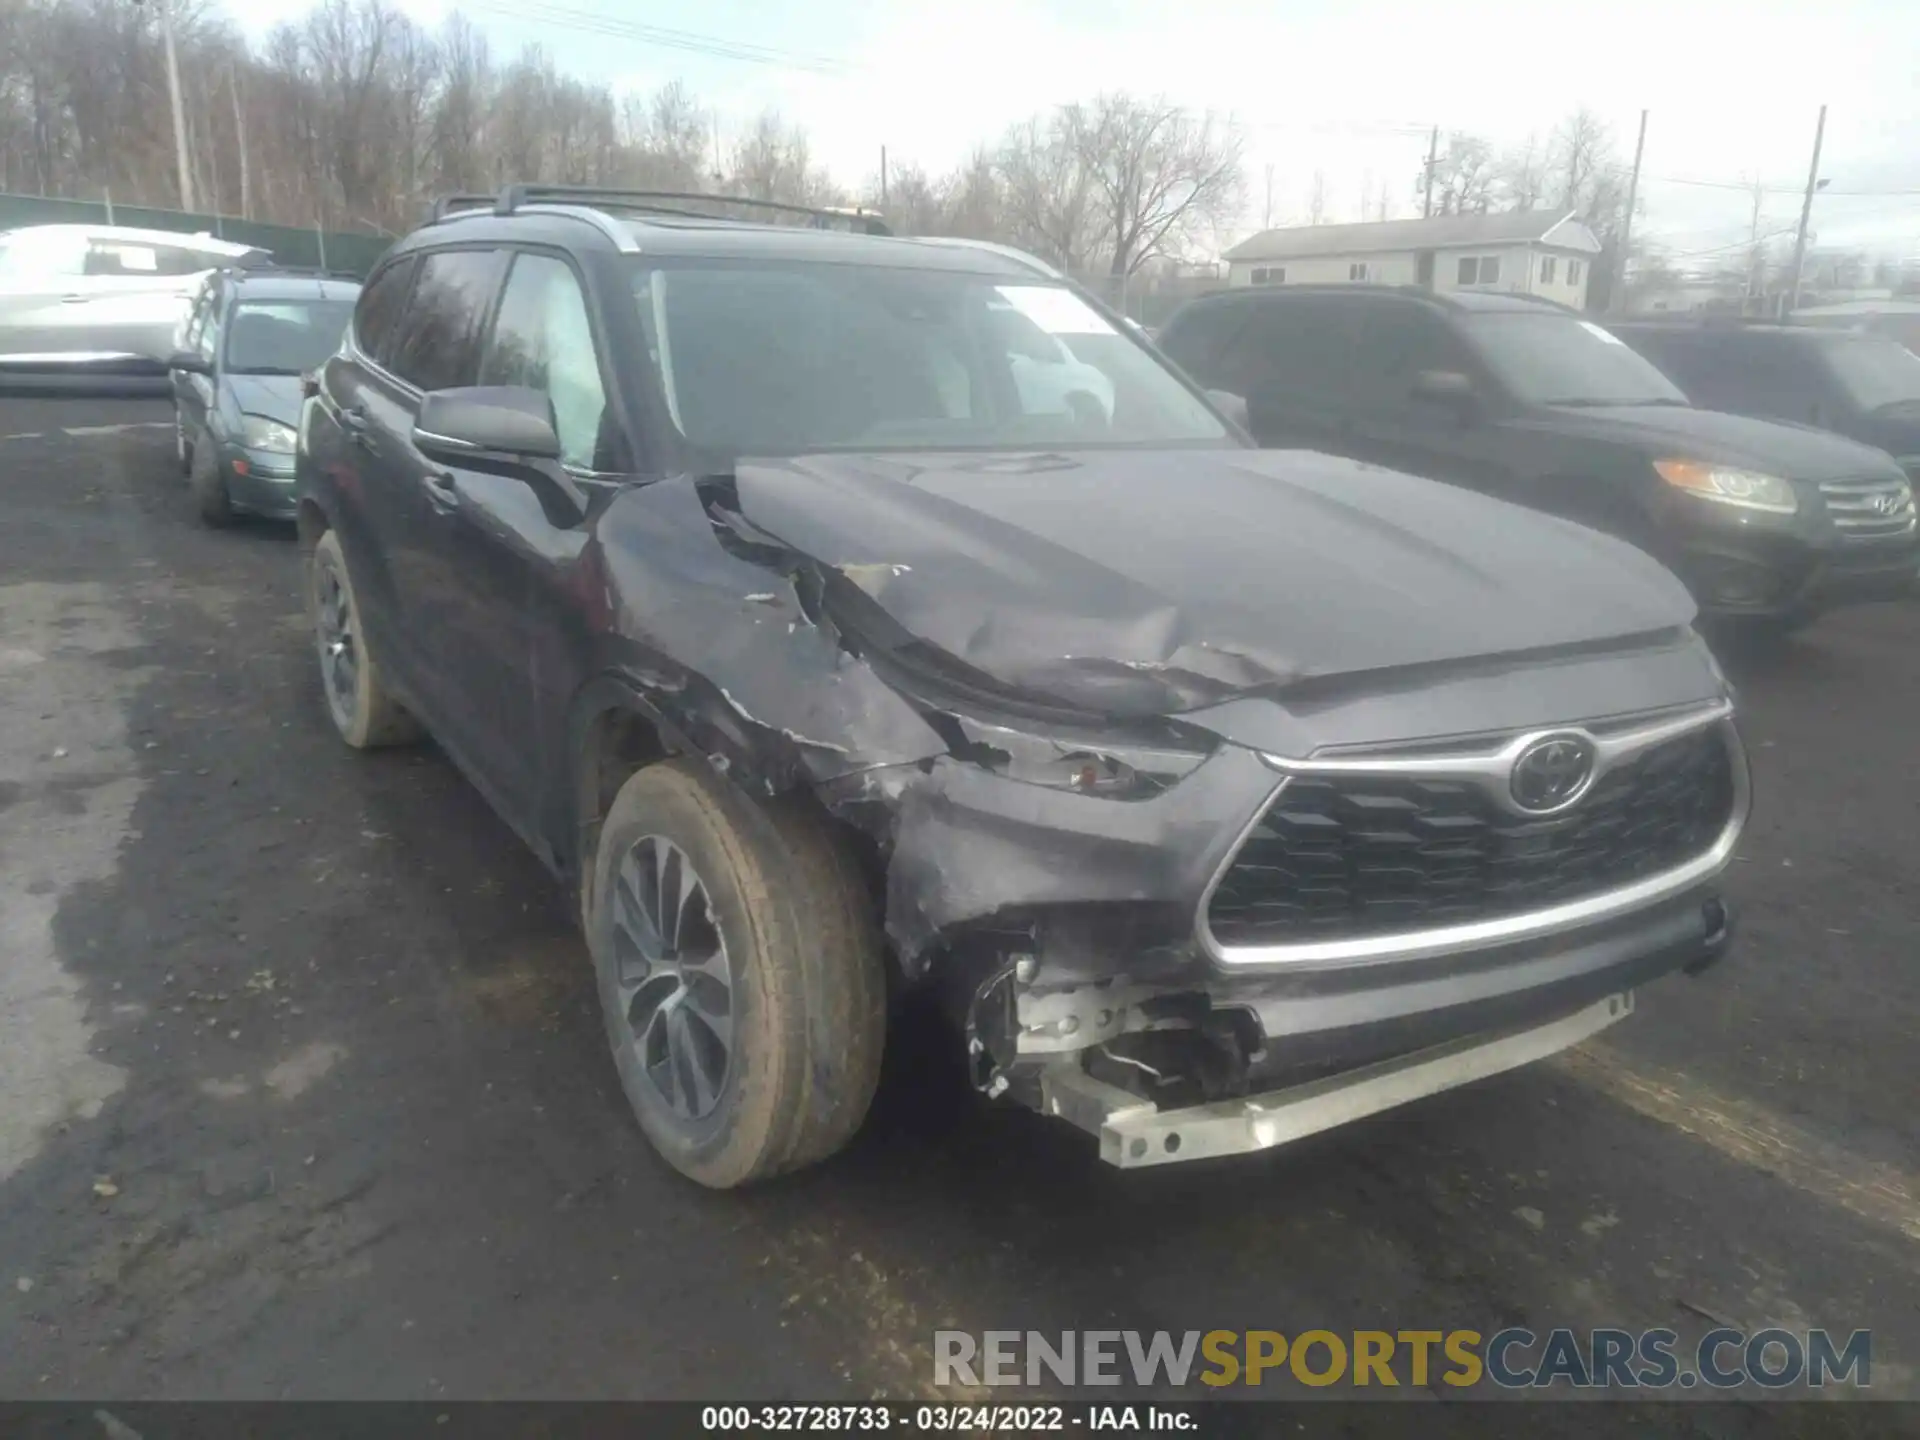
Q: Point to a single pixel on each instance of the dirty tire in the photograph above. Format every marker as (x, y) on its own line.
(209, 487)
(368, 717)
(846, 988)
(790, 1095)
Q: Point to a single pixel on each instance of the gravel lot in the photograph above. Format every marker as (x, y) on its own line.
(303, 1093)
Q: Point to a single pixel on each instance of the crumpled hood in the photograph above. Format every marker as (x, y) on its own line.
(1148, 582)
(275, 396)
(1793, 452)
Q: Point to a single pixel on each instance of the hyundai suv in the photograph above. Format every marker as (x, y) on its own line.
(1769, 524)
(1224, 796)
(1862, 385)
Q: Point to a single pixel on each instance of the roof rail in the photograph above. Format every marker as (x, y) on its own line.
(659, 202)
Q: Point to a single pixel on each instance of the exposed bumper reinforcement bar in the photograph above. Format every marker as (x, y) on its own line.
(1135, 1132)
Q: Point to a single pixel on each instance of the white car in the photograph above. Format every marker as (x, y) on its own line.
(87, 302)
(1050, 377)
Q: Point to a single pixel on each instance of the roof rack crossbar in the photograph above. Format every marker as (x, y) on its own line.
(654, 202)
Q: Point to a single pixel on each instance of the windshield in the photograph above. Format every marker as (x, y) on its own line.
(1560, 360)
(1876, 373)
(792, 358)
(284, 337)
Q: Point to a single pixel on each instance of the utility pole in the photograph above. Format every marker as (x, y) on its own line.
(1433, 164)
(240, 142)
(179, 111)
(1266, 215)
(1618, 300)
(883, 177)
(1755, 280)
(1806, 211)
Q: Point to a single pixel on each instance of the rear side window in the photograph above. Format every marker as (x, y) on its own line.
(1293, 347)
(1196, 340)
(433, 347)
(380, 305)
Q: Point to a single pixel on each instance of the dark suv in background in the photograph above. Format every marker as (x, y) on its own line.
(1862, 385)
(1527, 400)
(826, 652)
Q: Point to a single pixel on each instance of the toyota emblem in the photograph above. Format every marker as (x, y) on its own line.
(1552, 773)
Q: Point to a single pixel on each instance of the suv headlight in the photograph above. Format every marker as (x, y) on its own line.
(257, 432)
(1085, 764)
(1727, 485)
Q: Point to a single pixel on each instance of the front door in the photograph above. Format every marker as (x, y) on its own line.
(513, 546)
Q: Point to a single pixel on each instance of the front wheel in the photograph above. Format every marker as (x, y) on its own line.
(739, 976)
(209, 486)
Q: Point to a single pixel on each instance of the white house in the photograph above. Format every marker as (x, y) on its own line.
(1531, 252)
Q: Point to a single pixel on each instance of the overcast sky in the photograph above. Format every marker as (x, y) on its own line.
(1346, 87)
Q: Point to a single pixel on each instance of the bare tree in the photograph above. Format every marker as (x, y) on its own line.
(1159, 175)
(1464, 176)
(1317, 199)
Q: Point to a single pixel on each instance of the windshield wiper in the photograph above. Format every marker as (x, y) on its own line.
(1576, 402)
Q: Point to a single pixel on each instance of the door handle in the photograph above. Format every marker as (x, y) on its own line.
(441, 491)
(356, 423)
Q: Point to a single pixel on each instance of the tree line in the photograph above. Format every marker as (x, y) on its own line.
(356, 117)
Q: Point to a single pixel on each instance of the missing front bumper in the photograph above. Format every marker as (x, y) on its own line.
(1134, 1132)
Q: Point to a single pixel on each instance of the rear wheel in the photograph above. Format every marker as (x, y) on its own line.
(363, 711)
(741, 987)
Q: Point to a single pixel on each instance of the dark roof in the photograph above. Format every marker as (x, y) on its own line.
(1441, 232)
(266, 285)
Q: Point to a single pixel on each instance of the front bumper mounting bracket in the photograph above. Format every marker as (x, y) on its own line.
(1134, 1132)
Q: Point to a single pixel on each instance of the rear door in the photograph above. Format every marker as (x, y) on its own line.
(434, 346)
(512, 627)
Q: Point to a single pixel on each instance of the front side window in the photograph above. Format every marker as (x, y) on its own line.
(284, 337)
(434, 343)
(1550, 359)
(796, 357)
(380, 306)
(541, 339)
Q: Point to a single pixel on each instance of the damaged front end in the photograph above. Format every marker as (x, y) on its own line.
(1105, 827)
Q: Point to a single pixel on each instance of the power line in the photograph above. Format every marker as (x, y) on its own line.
(714, 46)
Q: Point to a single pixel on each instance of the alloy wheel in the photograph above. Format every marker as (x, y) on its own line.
(339, 644)
(674, 978)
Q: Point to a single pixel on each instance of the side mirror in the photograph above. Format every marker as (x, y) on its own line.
(1450, 388)
(508, 421)
(502, 429)
(191, 362)
(1233, 406)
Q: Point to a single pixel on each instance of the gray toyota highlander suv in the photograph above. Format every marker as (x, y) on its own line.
(1225, 795)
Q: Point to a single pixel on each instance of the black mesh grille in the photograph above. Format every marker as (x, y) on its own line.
(1355, 855)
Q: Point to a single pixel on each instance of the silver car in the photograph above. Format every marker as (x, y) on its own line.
(98, 304)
